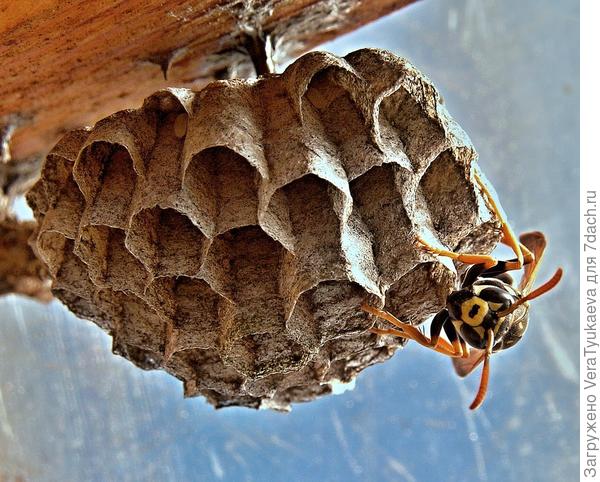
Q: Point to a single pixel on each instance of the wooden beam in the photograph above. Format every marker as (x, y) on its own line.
(68, 63)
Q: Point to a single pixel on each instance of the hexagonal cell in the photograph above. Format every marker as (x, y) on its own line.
(51, 247)
(422, 137)
(448, 178)
(21, 269)
(56, 170)
(167, 242)
(283, 398)
(231, 119)
(138, 325)
(411, 298)
(164, 166)
(223, 400)
(72, 273)
(327, 311)
(180, 246)
(346, 368)
(107, 179)
(275, 220)
(251, 261)
(330, 103)
(205, 370)
(220, 191)
(318, 248)
(378, 199)
(67, 211)
(289, 152)
(196, 315)
(263, 354)
(109, 262)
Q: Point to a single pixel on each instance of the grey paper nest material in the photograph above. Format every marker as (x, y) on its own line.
(229, 236)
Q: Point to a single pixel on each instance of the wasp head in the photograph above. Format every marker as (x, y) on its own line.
(477, 308)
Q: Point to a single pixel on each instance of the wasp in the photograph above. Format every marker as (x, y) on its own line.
(487, 313)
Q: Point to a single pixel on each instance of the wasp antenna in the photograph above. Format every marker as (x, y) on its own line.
(547, 286)
(483, 384)
(485, 373)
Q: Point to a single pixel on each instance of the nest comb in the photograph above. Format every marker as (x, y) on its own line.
(229, 236)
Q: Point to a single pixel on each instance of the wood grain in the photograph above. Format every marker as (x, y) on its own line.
(65, 64)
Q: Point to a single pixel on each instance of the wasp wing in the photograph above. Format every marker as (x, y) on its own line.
(535, 242)
(464, 366)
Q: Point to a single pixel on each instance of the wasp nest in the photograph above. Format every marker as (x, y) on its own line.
(229, 236)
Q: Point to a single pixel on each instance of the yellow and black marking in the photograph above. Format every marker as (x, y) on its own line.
(474, 311)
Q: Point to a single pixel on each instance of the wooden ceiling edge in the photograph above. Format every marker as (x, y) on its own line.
(17, 129)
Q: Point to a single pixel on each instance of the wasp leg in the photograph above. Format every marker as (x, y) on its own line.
(472, 274)
(443, 346)
(522, 253)
(512, 264)
(508, 235)
(385, 315)
(500, 271)
(528, 256)
(485, 373)
(483, 264)
(454, 338)
(437, 324)
(483, 259)
(409, 332)
(464, 346)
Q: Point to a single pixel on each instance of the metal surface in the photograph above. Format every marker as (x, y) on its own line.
(70, 410)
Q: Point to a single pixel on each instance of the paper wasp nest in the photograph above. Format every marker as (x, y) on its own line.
(229, 236)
